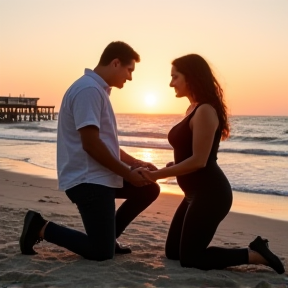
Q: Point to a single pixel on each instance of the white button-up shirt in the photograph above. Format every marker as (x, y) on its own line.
(85, 103)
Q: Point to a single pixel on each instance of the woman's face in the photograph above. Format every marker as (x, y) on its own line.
(179, 83)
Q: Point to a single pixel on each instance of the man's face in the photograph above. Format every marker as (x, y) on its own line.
(122, 73)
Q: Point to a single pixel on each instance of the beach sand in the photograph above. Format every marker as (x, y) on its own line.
(25, 186)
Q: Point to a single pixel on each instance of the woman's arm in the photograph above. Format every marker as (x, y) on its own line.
(203, 125)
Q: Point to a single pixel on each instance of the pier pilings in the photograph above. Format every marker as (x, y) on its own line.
(18, 113)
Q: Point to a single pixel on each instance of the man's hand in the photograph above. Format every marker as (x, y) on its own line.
(139, 163)
(136, 179)
(148, 175)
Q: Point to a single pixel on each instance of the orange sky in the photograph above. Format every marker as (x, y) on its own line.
(45, 46)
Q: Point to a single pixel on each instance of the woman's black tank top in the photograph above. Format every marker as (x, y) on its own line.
(180, 137)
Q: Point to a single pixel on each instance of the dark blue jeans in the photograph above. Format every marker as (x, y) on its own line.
(96, 205)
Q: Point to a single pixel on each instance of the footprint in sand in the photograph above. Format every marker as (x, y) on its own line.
(240, 233)
(44, 201)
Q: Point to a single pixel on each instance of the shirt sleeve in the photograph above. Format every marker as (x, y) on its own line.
(86, 108)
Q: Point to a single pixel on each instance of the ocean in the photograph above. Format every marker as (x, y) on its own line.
(254, 158)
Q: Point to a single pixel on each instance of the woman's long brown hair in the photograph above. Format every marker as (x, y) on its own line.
(204, 87)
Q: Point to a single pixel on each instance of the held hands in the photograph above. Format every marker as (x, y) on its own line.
(150, 174)
(146, 171)
(136, 177)
(147, 174)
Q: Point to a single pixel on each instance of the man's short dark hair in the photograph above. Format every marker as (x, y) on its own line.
(118, 50)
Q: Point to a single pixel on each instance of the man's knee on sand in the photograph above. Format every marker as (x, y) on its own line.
(99, 253)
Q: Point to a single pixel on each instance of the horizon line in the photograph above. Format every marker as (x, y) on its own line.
(181, 114)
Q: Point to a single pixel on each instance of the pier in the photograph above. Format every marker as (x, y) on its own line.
(17, 109)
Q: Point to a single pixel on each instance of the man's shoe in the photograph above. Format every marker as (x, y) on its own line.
(121, 249)
(33, 223)
(261, 246)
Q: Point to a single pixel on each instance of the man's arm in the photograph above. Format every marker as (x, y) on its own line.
(95, 147)
(126, 158)
(135, 163)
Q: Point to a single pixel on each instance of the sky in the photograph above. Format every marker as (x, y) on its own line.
(46, 45)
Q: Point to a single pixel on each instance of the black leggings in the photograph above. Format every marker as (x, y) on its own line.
(192, 229)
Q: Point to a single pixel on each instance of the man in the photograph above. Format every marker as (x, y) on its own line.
(91, 166)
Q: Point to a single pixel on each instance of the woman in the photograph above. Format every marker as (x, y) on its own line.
(208, 194)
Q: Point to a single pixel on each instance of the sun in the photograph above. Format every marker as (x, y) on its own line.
(150, 100)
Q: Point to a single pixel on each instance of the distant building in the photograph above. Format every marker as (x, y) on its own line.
(18, 100)
(17, 109)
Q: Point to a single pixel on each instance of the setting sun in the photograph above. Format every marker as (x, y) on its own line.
(150, 100)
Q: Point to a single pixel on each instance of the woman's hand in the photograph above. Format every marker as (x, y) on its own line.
(169, 164)
(147, 174)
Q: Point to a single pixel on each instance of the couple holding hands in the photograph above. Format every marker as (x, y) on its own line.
(93, 170)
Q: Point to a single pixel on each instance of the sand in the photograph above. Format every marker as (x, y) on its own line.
(24, 186)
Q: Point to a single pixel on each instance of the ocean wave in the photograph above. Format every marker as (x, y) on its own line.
(28, 160)
(256, 191)
(253, 138)
(23, 138)
(279, 142)
(255, 152)
(173, 181)
(223, 150)
(156, 145)
(262, 139)
(32, 128)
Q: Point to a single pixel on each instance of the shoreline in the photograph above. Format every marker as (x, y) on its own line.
(268, 206)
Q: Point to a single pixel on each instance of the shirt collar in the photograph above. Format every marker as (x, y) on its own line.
(98, 79)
